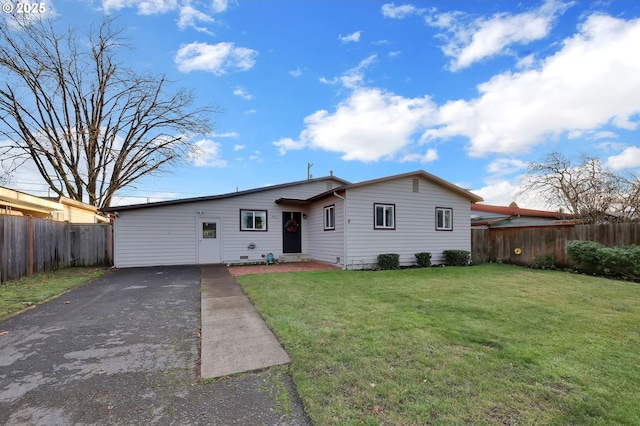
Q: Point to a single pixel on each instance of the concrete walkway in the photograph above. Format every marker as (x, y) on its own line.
(235, 339)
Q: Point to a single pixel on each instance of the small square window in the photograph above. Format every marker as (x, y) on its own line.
(385, 216)
(330, 218)
(209, 230)
(444, 219)
(253, 220)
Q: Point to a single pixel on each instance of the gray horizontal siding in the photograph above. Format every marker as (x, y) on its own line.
(326, 246)
(415, 222)
(166, 235)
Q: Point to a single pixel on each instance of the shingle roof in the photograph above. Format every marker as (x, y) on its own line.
(218, 197)
(345, 185)
(418, 173)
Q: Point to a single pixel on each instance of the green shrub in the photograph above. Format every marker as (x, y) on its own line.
(594, 258)
(478, 259)
(584, 254)
(456, 257)
(423, 259)
(389, 261)
(545, 261)
(620, 261)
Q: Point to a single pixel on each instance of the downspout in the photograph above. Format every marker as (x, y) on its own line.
(344, 225)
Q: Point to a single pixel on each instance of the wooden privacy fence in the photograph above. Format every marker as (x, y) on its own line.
(500, 244)
(29, 245)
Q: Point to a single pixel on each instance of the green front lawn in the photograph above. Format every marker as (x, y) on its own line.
(490, 344)
(16, 295)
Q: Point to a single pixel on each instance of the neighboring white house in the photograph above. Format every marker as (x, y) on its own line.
(325, 219)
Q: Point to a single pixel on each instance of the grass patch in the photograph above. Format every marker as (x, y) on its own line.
(490, 344)
(22, 293)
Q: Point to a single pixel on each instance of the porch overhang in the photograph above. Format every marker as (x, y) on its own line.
(292, 201)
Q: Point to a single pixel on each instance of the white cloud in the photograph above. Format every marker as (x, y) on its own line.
(501, 193)
(241, 92)
(505, 166)
(604, 135)
(627, 159)
(295, 73)
(188, 14)
(354, 37)
(469, 42)
(369, 125)
(288, 144)
(609, 146)
(219, 5)
(390, 10)
(145, 7)
(251, 111)
(208, 154)
(239, 147)
(427, 157)
(225, 135)
(592, 81)
(214, 58)
(189, 17)
(527, 62)
(354, 77)
(255, 156)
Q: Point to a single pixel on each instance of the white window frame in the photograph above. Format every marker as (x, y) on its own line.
(441, 221)
(384, 209)
(329, 215)
(254, 213)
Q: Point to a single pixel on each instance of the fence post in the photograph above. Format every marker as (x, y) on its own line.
(69, 252)
(30, 245)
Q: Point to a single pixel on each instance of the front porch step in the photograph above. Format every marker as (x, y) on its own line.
(286, 258)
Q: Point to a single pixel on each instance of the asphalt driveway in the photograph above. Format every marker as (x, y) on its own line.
(124, 350)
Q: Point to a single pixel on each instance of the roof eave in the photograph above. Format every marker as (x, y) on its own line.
(218, 197)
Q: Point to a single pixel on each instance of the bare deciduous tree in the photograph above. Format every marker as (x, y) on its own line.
(90, 124)
(588, 188)
(630, 198)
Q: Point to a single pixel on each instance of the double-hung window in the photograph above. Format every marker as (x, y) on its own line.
(330, 218)
(444, 219)
(253, 220)
(384, 216)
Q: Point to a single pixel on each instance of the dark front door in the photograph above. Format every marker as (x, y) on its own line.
(292, 232)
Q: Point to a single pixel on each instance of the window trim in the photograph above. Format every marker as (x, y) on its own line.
(375, 222)
(331, 208)
(254, 211)
(444, 209)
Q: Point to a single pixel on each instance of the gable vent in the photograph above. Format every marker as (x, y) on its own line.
(416, 187)
(329, 186)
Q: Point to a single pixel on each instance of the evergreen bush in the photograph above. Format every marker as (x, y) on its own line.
(389, 261)
(545, 261)
(456, 257)
(423, 259)
(584, 254)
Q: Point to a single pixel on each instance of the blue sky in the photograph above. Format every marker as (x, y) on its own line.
(467, 90)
